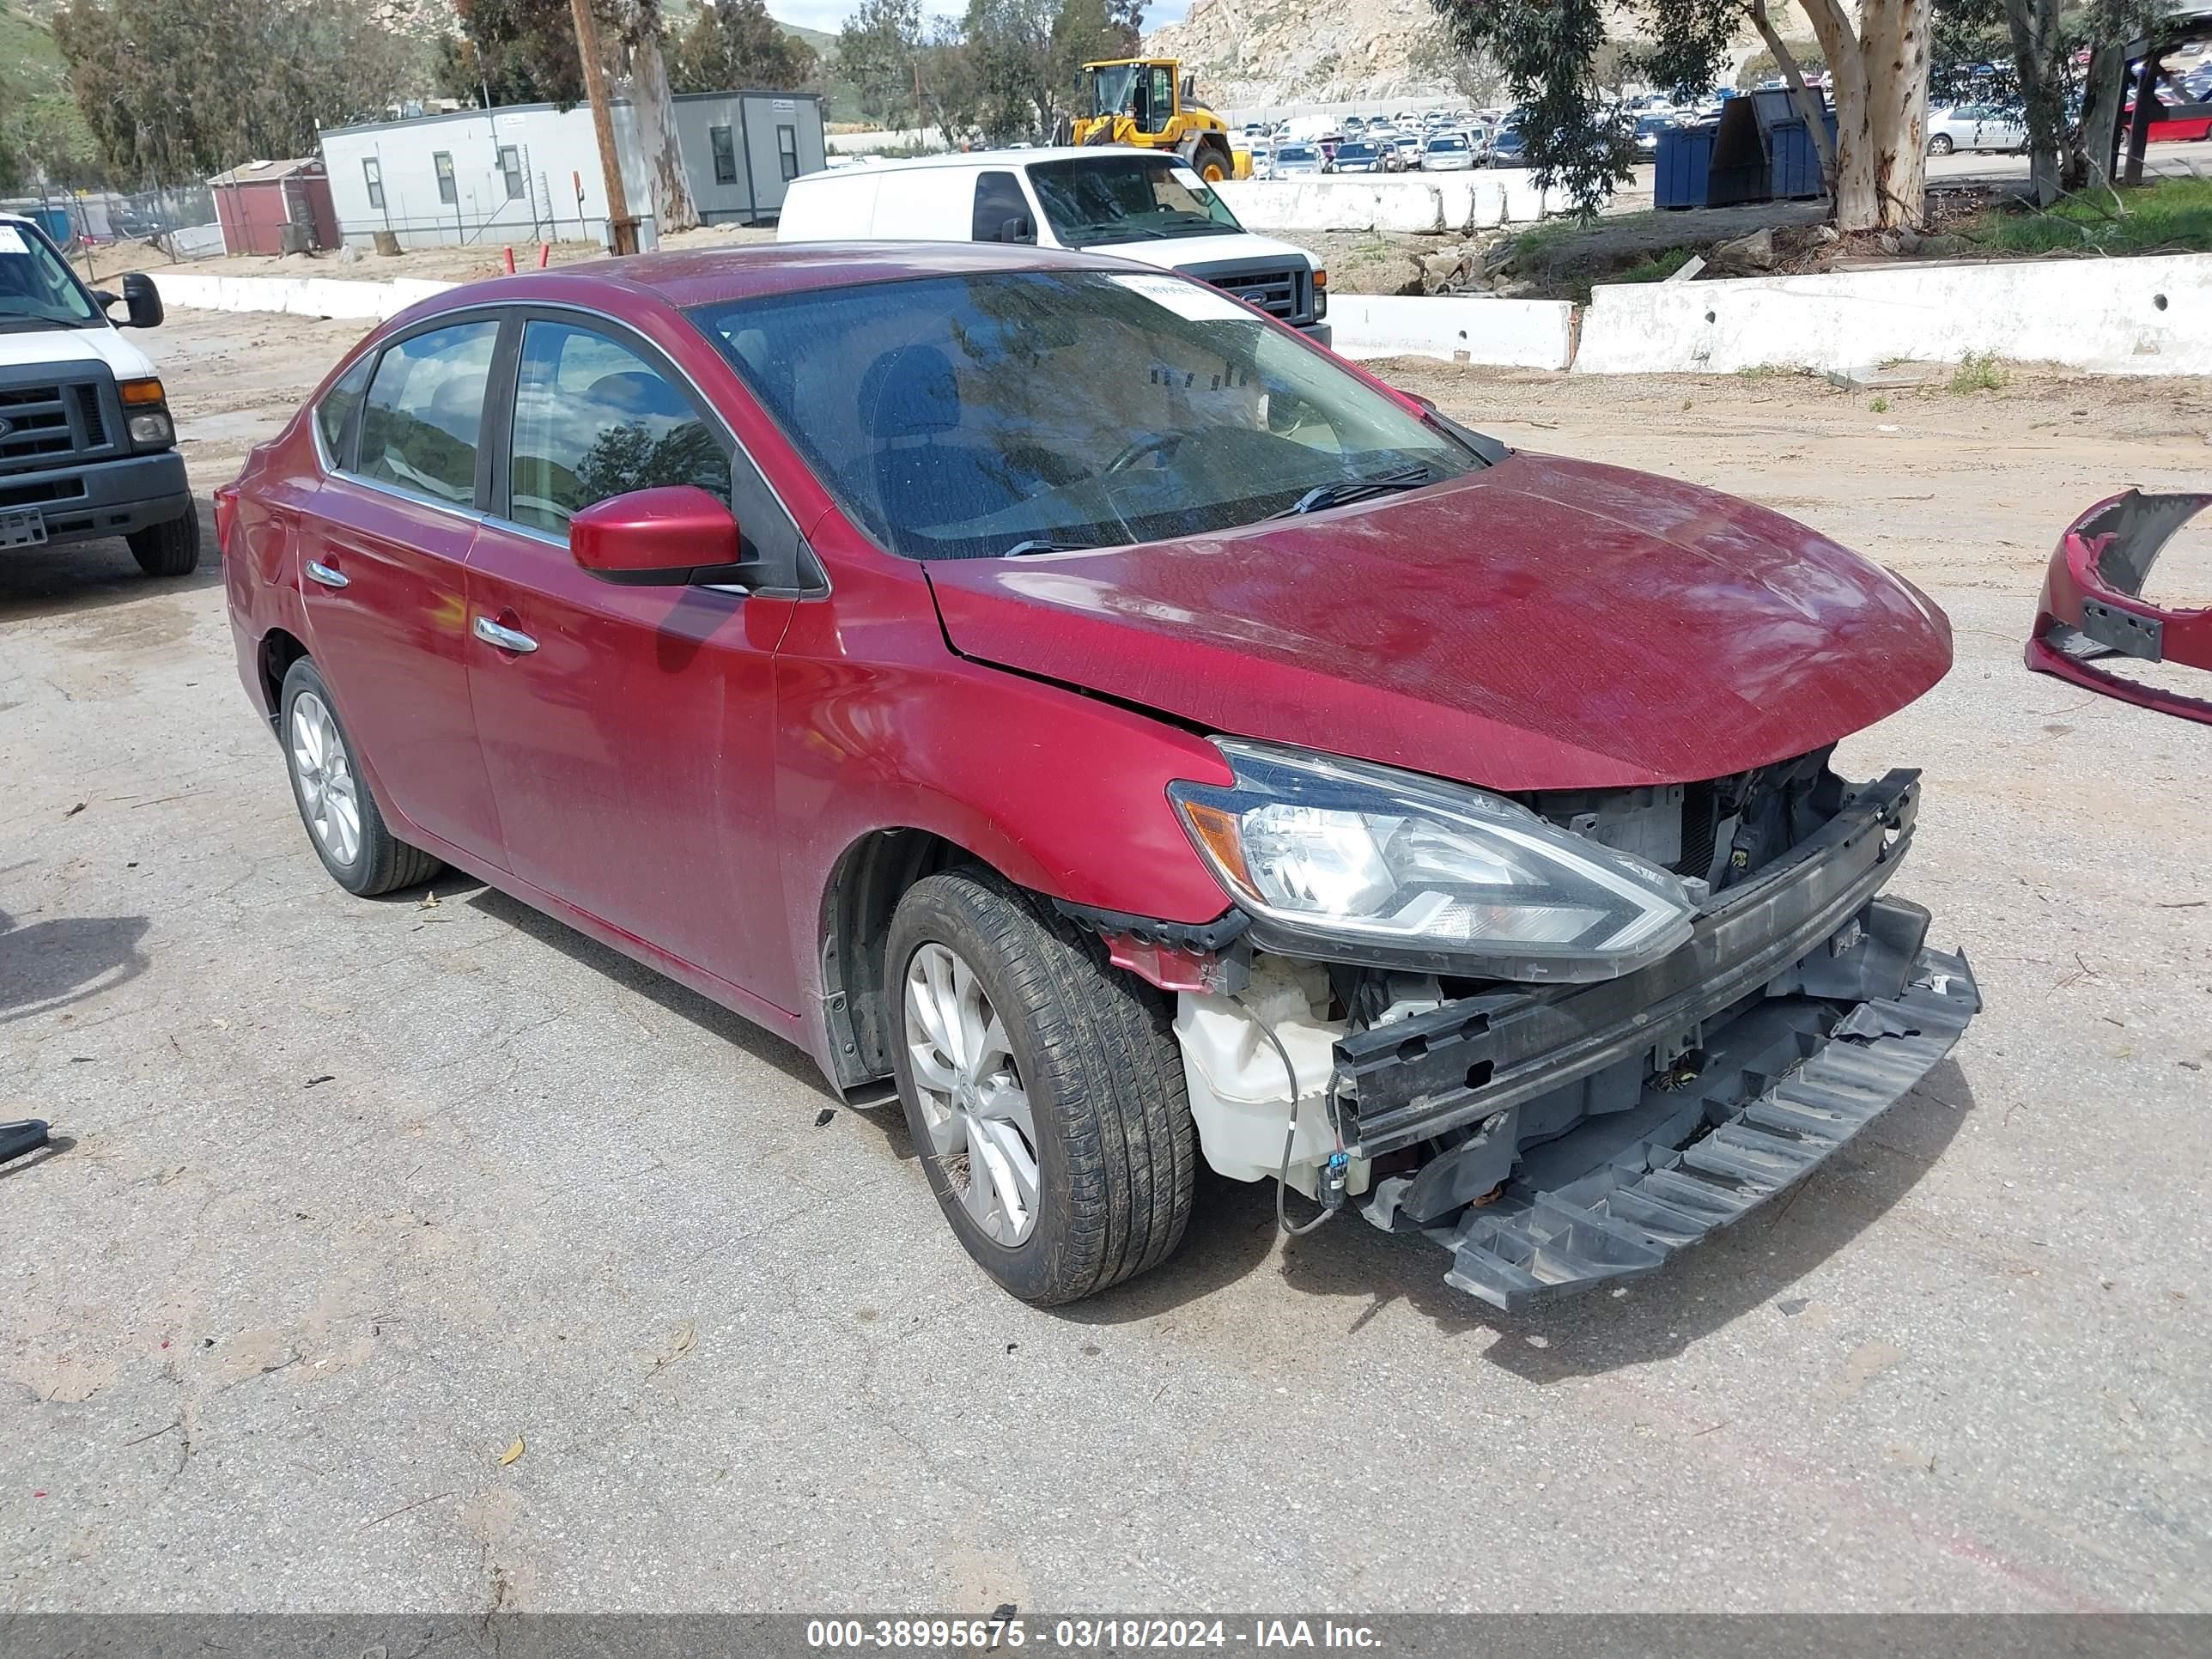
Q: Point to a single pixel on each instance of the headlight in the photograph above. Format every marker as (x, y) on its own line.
(1351, 862)
(151, 429)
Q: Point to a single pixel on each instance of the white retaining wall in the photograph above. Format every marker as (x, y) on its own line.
(1444, 201)
(2135, 316)
(300, 296)
(1508, 334)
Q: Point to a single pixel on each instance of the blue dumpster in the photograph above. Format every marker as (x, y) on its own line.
(55, 221)
(1682, 169)
(1793, 162)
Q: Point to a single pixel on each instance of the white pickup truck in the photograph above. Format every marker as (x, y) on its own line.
(86, 445)
(1134, 203)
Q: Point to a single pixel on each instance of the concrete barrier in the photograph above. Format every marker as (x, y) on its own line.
(298, 296)
(1503, 334)
(2138, 316)
(1436, 204)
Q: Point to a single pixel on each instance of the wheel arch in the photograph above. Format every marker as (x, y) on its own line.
(279, 649)
(864, 887)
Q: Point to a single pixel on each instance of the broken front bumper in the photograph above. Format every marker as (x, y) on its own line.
(2092, 605)
(1586, 1133)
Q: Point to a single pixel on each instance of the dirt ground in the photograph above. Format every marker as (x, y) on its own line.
(414, 1255)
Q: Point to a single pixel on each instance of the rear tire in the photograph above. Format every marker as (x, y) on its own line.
(343, 825)
(1103, 1119)
(168, 549)
(1939, 144)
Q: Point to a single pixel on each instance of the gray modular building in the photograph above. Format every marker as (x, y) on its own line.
(530, 172)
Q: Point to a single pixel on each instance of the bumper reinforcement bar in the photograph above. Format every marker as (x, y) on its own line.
(1653, 1197)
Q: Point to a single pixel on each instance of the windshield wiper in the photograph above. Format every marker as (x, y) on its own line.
(1045, 544)
(1346, 491)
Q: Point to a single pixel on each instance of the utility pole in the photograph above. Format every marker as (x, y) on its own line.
(622, 229)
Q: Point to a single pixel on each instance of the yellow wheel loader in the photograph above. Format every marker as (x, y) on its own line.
(1151, 103)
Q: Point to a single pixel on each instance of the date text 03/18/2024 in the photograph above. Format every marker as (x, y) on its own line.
(1004, 1630)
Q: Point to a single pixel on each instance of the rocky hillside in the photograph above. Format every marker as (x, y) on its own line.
(1250, 53)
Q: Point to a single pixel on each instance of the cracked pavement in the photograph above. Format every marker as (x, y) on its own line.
(359, 1194)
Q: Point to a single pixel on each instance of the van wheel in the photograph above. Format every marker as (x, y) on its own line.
(168, 549)
(344, 826)
(1043, 1089)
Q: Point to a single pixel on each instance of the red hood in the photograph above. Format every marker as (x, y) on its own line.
(1544, 623)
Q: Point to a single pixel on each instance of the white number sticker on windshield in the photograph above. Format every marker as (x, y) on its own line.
(11, 241)
(1189, 180)
(1189, 300)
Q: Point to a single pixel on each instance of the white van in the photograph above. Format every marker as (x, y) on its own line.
(86, 446)
(1134, 203)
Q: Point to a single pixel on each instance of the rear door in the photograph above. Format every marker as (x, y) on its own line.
(628, 731)
(383, 548)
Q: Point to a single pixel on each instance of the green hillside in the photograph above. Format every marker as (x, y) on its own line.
(37, 114)
(843, 102)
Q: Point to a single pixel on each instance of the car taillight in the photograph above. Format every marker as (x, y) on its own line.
(225, 513)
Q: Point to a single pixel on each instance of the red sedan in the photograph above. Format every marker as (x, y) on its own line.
(1056, 688)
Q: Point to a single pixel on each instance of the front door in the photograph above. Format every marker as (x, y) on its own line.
(384, 545)
(628, 730)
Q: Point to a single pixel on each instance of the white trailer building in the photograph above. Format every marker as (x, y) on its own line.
(523, 173)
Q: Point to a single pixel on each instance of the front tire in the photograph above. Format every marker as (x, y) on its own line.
(343, 825)
(168, 549)
(1043, 1089)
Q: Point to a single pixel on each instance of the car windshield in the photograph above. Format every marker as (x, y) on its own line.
(1092, 201)
(37, 290)
(986, 416)
(1295, 153)
(1447, 144)
(1355, 153)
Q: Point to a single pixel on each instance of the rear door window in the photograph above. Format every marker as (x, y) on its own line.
(999, 202)
(425, 409)
(593, 419)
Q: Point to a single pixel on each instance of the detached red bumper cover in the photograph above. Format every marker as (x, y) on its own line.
(2093, 607)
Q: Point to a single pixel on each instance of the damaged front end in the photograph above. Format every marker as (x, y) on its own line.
(1558, 1112)
(2093, 607)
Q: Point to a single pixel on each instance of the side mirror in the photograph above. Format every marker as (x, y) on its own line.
(670, 536)
(143, 301)
(1016, 229)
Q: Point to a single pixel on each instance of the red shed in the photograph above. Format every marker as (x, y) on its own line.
(275, 207)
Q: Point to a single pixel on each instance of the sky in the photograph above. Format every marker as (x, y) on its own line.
(828, 14)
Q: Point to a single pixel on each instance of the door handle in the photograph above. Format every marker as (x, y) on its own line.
(320, 571)
(507, 639)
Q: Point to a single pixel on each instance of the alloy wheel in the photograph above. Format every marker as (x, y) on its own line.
(973, 1099)
(329, 795)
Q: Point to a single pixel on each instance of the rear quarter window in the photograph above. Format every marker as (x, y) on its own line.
(334, 416)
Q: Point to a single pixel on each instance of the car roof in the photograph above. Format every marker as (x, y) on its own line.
(1007, 158)
(715, 275)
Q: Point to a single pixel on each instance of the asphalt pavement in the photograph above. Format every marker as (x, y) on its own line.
(420, 1253)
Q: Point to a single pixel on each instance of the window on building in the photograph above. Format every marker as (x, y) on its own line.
(593, 419)
(726, 155)
(510, 166)
(999, 203)
(419, 428)
(787, 150)
(372, 171)
(443, 161)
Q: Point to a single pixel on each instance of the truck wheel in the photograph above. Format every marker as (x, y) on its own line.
(168, 549)
(1213, 160)
(1043, 1089)
(344, 826)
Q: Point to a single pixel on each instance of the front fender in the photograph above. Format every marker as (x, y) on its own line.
(882, 726)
